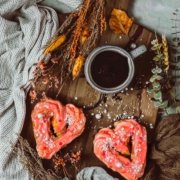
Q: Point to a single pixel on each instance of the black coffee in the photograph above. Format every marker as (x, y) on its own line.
(109, 69)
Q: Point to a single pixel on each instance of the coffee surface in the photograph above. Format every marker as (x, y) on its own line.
(109, 69)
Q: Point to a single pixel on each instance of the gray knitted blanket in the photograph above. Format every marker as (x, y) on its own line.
(25, 28)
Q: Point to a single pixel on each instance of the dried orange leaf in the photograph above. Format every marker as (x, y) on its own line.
(55, 44)
(120, 22)
(78, 66)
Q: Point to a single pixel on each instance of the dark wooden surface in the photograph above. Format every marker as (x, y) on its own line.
(133, 102)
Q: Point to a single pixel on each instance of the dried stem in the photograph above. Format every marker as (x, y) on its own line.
(91, 15)
(78, 29)
(31, 162)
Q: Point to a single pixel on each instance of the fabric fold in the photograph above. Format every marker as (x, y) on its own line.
(25, 28)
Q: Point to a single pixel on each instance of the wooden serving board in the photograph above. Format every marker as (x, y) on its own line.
(134, 101)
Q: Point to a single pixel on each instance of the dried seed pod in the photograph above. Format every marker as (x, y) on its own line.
(85, 35)
(78, 66)
(165, 53)
(55, 44)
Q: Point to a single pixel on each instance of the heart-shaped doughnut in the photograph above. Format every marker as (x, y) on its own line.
(123, 149)
(55, 126)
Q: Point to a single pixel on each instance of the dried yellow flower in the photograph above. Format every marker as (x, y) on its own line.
(55, 44)
(120, 22)
(165, 53)
(79, 62)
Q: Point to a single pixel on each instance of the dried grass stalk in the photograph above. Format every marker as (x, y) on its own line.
(80, 31)
(31, 161)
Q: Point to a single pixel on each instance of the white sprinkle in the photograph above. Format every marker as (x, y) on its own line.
(98, 116)
(46, 106)
(69, 120)
(105, 147)
(81, 122)
(40, 116)
(126, 89)
(107, 158)
(119, 165)
(133, 45)
(76, 98)
(151, 126)
(92, 114)
(43, 131)
(106, 105)
(105, 111)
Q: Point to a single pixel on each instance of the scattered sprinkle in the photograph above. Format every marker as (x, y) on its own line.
(151, 126)
(133, 46)
(119, 165)
(92, 114)
(98, 116)
(40, 116)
